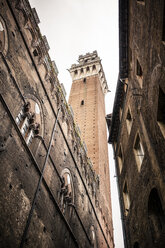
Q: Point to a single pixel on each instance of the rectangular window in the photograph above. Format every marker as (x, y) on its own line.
(161, 111)
(139, 152)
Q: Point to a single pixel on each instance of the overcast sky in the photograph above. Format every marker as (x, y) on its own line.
(75, 27)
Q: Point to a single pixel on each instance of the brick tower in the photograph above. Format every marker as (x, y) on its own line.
(88, 89)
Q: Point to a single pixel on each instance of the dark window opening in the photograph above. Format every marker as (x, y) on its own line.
(82, 102)
(88, 68)
(136, 245)
(129, 118)
(129, 121)
(161, 106)
(84, 80)
(139, 71)
(75, 72)
(163, 34)
(139, 152)
(94, 67)
(82, 70)
(35, 53)
(156, 215)
(120, 153)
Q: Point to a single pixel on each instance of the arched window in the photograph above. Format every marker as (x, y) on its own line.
(94, 67)
(66, 194)
(93, 236)
(156, 215)
(29, 120)
(3, 37)
(136, 245)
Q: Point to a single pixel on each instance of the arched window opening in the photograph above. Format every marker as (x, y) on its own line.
(82, 70)
(88, 68)
(156, 215)
(3, 37)
(136, 245)
(66, 194)
(93, 236)
(29, 121)
(35, 53)
(75, 72)
(94, 67)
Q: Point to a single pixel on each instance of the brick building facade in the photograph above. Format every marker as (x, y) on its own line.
(50, 193)
(137, 125)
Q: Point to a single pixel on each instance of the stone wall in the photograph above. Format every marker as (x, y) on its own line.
(138, 138)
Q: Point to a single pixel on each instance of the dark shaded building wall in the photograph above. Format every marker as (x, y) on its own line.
(49, 192)
(137, 125)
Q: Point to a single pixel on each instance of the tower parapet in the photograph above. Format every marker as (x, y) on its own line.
(89, 65)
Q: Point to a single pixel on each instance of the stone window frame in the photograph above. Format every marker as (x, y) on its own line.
(161, 111)
(67, 192)
(93, 237)
(126, 198)
(26, 120)
(138, 151)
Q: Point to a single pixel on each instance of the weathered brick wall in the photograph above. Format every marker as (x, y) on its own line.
(27, 75)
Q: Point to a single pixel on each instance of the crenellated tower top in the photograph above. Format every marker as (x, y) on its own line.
(89, 65)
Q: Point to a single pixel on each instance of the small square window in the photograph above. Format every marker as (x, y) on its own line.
(139, 152)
